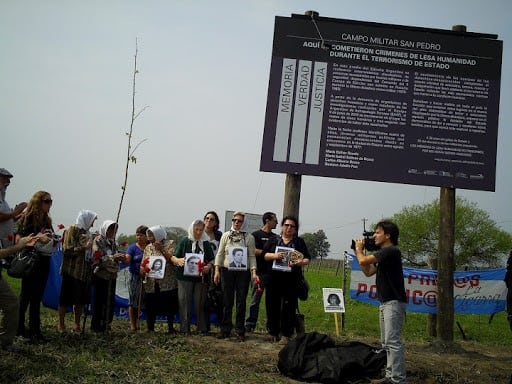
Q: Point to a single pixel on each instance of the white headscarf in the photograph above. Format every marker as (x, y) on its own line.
(158, 232)
(104, 227)
(85, 219)
(245, 224)
(191, 234)
(191, 229)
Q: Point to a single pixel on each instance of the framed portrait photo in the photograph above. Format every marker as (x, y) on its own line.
(237, 258)
(157, 265)
(192, 262)
(284, 263)
(333, 300)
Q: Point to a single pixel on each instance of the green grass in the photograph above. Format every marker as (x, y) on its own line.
(126, 357)
(361, 320)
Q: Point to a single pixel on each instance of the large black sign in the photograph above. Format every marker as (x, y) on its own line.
(382, 102)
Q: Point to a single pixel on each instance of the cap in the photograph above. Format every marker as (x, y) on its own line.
(5, 172)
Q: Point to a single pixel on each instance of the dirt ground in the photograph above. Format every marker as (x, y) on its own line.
(426, 363)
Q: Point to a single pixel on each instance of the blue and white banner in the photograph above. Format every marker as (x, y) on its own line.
(52, 291)
(475, 292)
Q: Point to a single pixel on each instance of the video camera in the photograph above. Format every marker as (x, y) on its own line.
(369, 242)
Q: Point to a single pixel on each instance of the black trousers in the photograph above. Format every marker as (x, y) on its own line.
(235, 286)
(281, 303)
(31, 295)
(104, 295)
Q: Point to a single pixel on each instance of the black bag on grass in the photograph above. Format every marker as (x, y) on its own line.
(316, 357)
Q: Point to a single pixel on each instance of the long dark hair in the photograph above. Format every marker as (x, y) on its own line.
(217, 221)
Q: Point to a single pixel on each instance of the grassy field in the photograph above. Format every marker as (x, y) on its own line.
(127, 357)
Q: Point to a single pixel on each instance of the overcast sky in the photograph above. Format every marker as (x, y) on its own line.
(65, 106)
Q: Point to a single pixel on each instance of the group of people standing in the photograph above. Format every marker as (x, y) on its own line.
(233, 262)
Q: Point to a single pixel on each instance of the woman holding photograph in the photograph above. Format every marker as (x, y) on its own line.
(191, 287)
(161, 295)
(235, 282)
(281, 297)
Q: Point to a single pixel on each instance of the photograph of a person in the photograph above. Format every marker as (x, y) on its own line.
(191, 266)
(238, 258)
(157, 265)
(333, 300)
(284, 263)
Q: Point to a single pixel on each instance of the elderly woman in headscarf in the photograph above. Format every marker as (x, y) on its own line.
(75, 269)
(161, 295)
(105, 267)
(192, 288)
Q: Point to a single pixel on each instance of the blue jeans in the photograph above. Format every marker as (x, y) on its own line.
(392, 314)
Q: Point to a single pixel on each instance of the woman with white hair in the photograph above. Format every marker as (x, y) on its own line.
(161, 295)
(193, 289)
(75, 270)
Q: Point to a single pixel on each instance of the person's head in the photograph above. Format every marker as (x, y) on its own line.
(108, 229)
(196, 230)
(192, 264)
(269, 219)
(5, 179)
(211, 220)
(140, 235)
(289, 226)
(238, 255)
(156, 233)
(333, 299)
(238, 220)
(38, 209)
(157, 265)
(386, 233)
(85, 219)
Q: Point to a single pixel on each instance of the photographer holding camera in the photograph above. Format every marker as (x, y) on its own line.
(386, 264)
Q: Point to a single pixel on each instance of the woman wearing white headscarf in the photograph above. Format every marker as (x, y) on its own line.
(193, 289)
(161, 295)
(75, 269)
(105, 267)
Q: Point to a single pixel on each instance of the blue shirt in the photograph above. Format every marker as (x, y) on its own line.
(136, 257)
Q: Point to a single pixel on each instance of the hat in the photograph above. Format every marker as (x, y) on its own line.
(5, 172)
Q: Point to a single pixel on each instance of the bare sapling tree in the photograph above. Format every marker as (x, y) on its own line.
(130, 152)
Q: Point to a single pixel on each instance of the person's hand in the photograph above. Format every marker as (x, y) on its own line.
(216, 277)
(359, 245)
(206, 269)
(119, 256)
(28, 241)
(44, 238)
(19, 209)
(279, 255)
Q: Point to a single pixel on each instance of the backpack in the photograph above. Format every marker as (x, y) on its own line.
(316, 357)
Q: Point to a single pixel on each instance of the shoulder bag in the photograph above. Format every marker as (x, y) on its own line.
(24, 263)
